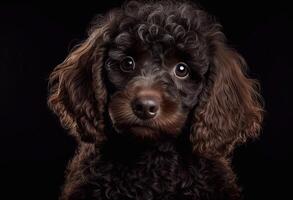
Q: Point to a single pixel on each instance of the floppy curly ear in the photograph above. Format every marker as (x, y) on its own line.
(76, 90)
(229, 110)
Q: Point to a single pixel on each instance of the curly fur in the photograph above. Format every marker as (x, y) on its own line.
(222, 108)
(153, 172)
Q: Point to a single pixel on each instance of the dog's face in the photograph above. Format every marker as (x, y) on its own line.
(153, 69)
(152, 88)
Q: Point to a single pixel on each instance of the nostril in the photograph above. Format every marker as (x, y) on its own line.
(153, 109)
(138, 107)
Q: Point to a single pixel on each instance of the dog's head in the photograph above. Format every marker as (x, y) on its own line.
(153, 69)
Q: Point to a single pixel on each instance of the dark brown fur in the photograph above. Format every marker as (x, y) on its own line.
(184, 153)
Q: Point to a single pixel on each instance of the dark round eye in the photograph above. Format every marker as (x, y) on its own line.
(181, 70)
(127, 64)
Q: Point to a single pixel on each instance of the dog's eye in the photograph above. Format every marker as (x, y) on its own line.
(181, 70)
(127, 64)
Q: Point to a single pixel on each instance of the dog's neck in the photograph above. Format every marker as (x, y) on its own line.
(130, 149)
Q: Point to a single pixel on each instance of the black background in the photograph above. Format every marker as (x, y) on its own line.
(34, 38)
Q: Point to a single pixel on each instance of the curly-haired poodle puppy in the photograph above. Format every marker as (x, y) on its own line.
(157, 101)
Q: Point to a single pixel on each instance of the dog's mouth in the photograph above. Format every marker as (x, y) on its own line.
(133, 128)
(138, 126)
(148, 130)
(143, 130)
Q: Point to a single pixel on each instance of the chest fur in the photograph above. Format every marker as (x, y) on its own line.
(161, 172)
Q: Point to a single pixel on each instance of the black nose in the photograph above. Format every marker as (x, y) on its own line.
(145, 107)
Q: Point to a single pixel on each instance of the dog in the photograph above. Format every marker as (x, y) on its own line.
(157, 101)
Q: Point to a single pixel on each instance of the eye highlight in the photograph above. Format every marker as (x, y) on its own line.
(181, 70)
(127, 64)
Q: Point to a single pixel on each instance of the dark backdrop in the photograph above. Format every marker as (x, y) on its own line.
(34, 38)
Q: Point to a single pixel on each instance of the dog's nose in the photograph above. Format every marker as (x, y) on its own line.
(145, 107)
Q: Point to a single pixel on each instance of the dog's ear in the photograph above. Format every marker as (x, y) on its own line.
(77, 93)
(230, 109)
